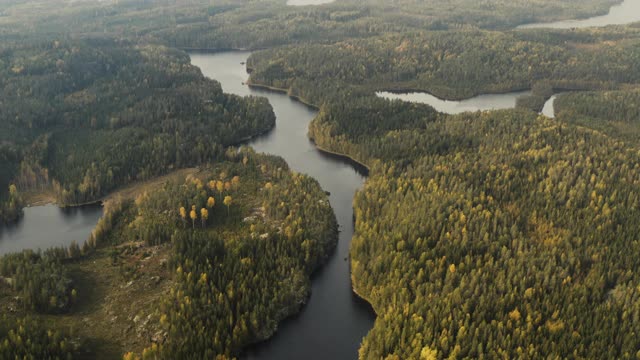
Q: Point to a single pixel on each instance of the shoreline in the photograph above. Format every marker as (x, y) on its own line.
(303, 101)
(247, 139)
(218, 50)
(536, 24)
(297, 98)
(342, 156)
(356, 164)
(127, 191)
(362, 297)
(407, 91)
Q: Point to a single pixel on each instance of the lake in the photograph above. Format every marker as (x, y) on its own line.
(625, 13)
(481, 102)
(334, 321)
(48, 226)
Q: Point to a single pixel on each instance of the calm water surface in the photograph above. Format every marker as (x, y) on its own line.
(46, 226)
(481, 102)
(308, 2)
(333, 323)
(625, 13)
(549, 110)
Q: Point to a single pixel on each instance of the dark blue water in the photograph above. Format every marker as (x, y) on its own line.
(47, 226)
(333, 323)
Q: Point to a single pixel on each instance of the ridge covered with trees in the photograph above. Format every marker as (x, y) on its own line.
(458, 64)
(84, 117)
(229, 24)
(517, 236)
(241, 238)
(615, 113)
(518, 241)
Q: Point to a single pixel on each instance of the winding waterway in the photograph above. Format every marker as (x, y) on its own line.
(334, 321)
(48, 226)
(625, 13)
(481, 102)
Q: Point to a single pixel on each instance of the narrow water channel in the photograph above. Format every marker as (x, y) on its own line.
(333, 323)
(480, 102)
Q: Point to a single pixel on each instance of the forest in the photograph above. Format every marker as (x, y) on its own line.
(29, 339)
(615, 113)
(471, 271)
(501, 234)
(524, 250)
(243, 235)
(268, 23)
(458, 64)
(84, 117)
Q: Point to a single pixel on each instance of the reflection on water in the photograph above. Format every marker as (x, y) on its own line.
(333, 323)
(625, 13)
(481, 102)
(549, 110)
(47, 226)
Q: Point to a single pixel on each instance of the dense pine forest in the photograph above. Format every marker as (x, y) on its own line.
(502, 251)
(459, 64)
(495, 234)
(222, 256)
(471, 271)
(615, 113)
(83, 117)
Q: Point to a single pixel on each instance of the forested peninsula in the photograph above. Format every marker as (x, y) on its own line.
(204, 266)
(80, 118)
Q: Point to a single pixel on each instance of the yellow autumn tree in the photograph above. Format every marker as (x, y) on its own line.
(235, 181)
(130, 356)
(183, 214)
(211, 202)
(428, 354)
(204, 215)
(220, 186)
(151, 352)
(194, 216)
(199, 184)
(228, 201)
(515, 315)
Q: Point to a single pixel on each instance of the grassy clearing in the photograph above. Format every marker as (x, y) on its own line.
(119, 288)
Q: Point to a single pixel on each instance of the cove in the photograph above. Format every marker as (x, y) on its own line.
(625, 13)
(481, 102)
(47, 226)
(549, 109)
(334, 321)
